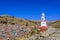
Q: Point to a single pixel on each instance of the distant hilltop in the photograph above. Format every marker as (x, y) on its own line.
(55, 24)
(12, 20)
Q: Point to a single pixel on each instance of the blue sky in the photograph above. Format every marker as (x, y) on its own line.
(31, 9)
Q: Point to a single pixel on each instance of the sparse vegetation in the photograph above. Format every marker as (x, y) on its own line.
(12, 19)
(55, 24)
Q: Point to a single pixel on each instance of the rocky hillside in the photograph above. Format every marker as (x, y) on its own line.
(24, 22)
(12, 20)
(55, 24)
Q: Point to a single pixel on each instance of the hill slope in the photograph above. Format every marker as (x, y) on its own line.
(24, 22)
(55, 24)
(11, 19)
